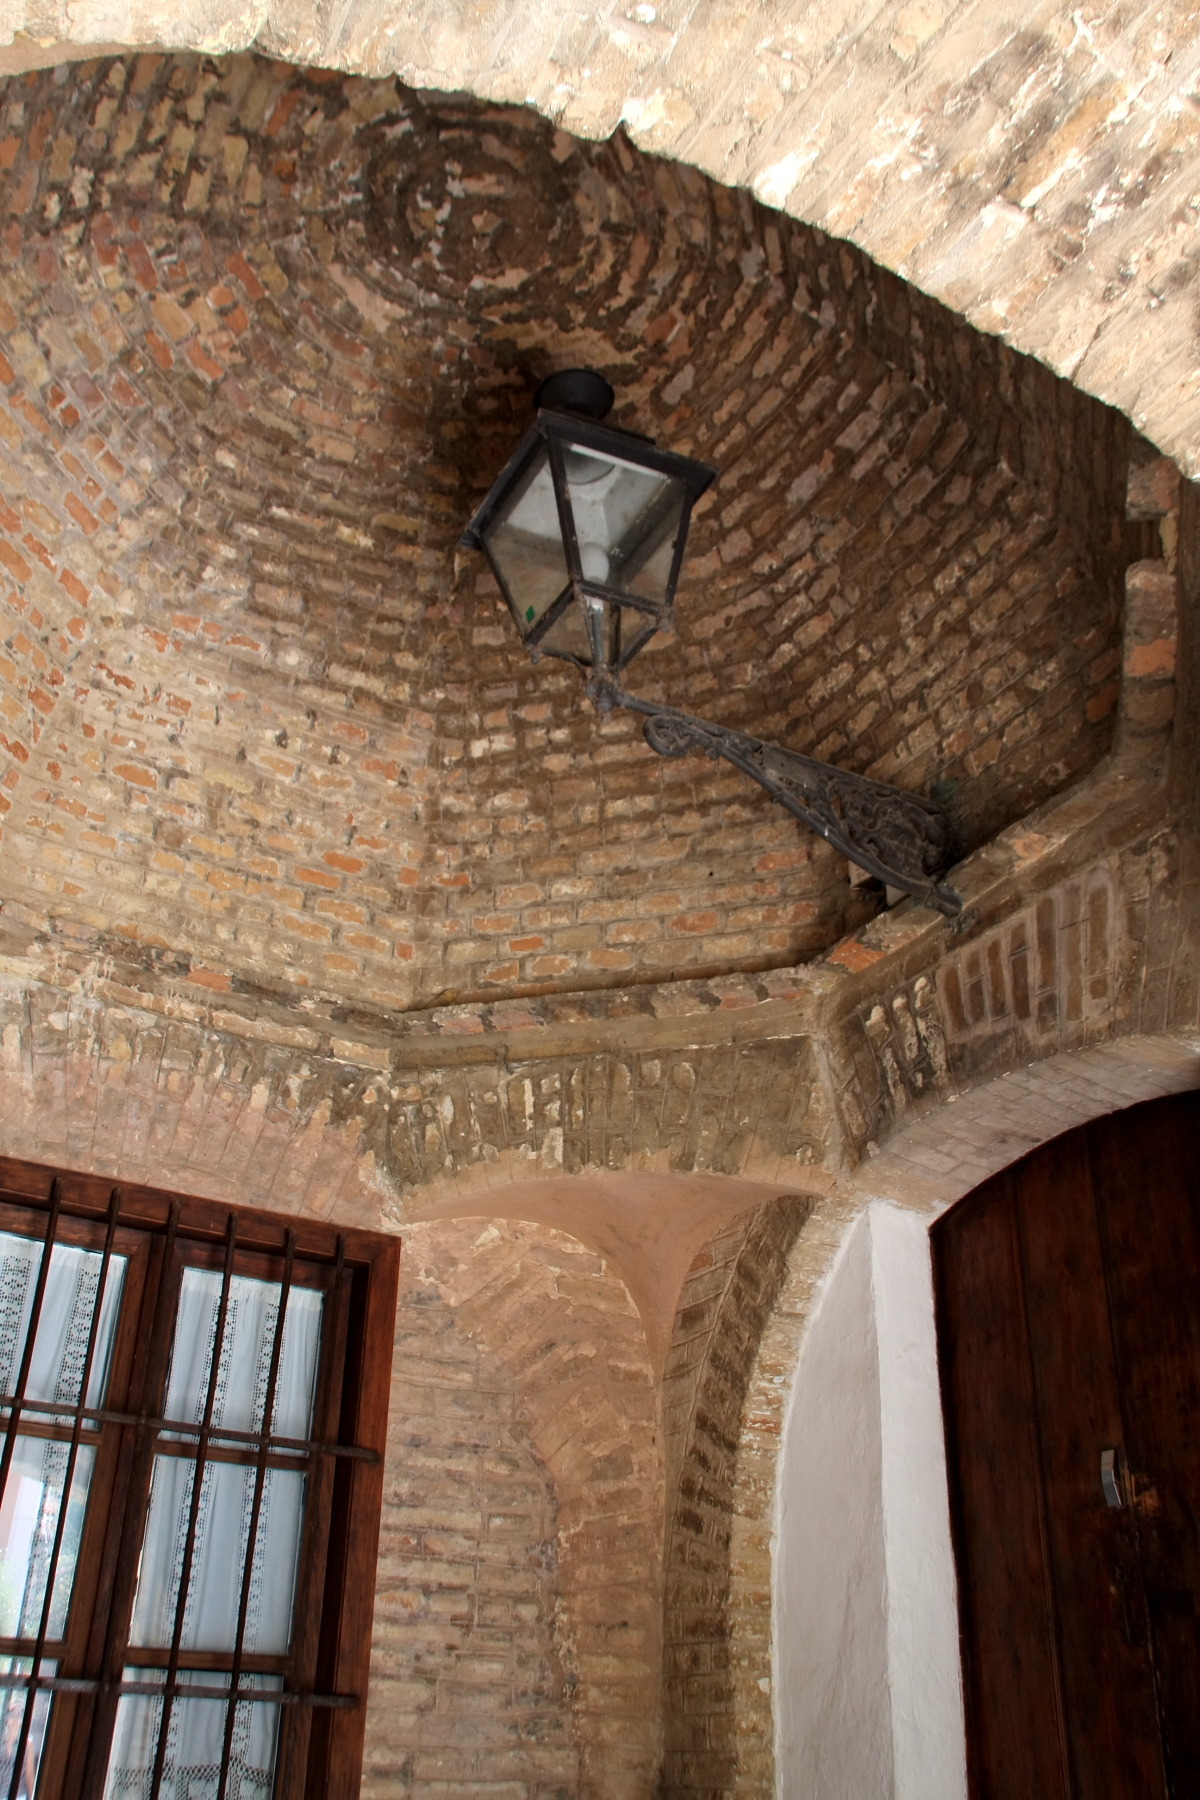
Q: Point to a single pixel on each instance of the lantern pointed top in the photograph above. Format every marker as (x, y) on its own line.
(581, 391)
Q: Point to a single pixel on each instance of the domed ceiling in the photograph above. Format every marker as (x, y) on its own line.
(267, 337)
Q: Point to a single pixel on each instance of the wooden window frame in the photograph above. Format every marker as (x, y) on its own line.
(323, 1720)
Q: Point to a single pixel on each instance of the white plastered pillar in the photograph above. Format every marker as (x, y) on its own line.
(868, 1702)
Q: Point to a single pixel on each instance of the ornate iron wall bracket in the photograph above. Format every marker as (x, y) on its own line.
(904, 841)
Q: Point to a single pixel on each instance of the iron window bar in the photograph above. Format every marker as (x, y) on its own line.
(83, 1684)
(189, 1542)
(317, 1678)
(68, 1480)
(187, 1428)
(260, 1477)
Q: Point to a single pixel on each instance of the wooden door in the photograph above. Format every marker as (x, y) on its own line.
(1068, 1306)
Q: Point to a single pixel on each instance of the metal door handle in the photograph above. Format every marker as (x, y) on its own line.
(1110, 1478)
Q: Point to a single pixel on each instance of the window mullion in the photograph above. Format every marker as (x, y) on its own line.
(296, 1724)
(39, 1294)
(149, 1328)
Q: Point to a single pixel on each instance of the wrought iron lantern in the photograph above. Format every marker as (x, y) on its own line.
(585, 529)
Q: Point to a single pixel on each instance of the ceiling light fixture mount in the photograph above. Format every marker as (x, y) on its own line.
(585, 529)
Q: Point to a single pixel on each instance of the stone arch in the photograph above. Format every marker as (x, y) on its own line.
(995, 156)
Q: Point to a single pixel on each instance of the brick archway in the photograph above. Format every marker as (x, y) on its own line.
(1039, 183)
(555, 1327)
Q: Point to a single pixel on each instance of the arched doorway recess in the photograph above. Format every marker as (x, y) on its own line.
(864, 1684)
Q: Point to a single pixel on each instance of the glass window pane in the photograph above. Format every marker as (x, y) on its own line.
(28, 1521)
(568, 636)
(626, 521)
(59, 1353)
(12, 1713)
(524, 542)
(219, 1557)
(245, 1365)
(195, 1741)
(636, 627)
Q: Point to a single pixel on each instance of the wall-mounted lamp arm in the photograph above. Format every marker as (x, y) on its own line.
(902, 840)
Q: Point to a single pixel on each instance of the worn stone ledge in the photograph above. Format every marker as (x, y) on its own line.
(1106, 812)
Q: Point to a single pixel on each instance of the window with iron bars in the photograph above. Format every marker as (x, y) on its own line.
(193, 1400)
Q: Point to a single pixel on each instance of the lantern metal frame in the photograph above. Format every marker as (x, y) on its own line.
(556, 432)
(905, 841)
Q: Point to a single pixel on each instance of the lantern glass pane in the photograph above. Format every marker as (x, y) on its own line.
(568, 636)
(622, 631)
(627, 521)
(524, 541)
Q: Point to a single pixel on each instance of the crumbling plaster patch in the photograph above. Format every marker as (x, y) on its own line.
(1037, 168)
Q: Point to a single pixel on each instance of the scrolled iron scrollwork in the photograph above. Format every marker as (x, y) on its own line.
(673, 734)
(903, 840)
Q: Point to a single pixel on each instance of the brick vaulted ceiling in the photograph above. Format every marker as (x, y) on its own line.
(268, 334)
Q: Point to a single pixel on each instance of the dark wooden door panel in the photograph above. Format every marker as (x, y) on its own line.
(1010, 1661)
(1105, 1669)
(1068, 1296)
(1147, 1171)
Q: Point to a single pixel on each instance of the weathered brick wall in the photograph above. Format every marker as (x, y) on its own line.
(1107, 951)
(263, 353)
(468, 1686)
(724, 1307)
(559, 1320)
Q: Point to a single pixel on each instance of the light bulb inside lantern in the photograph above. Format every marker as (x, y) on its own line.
(593, 560)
